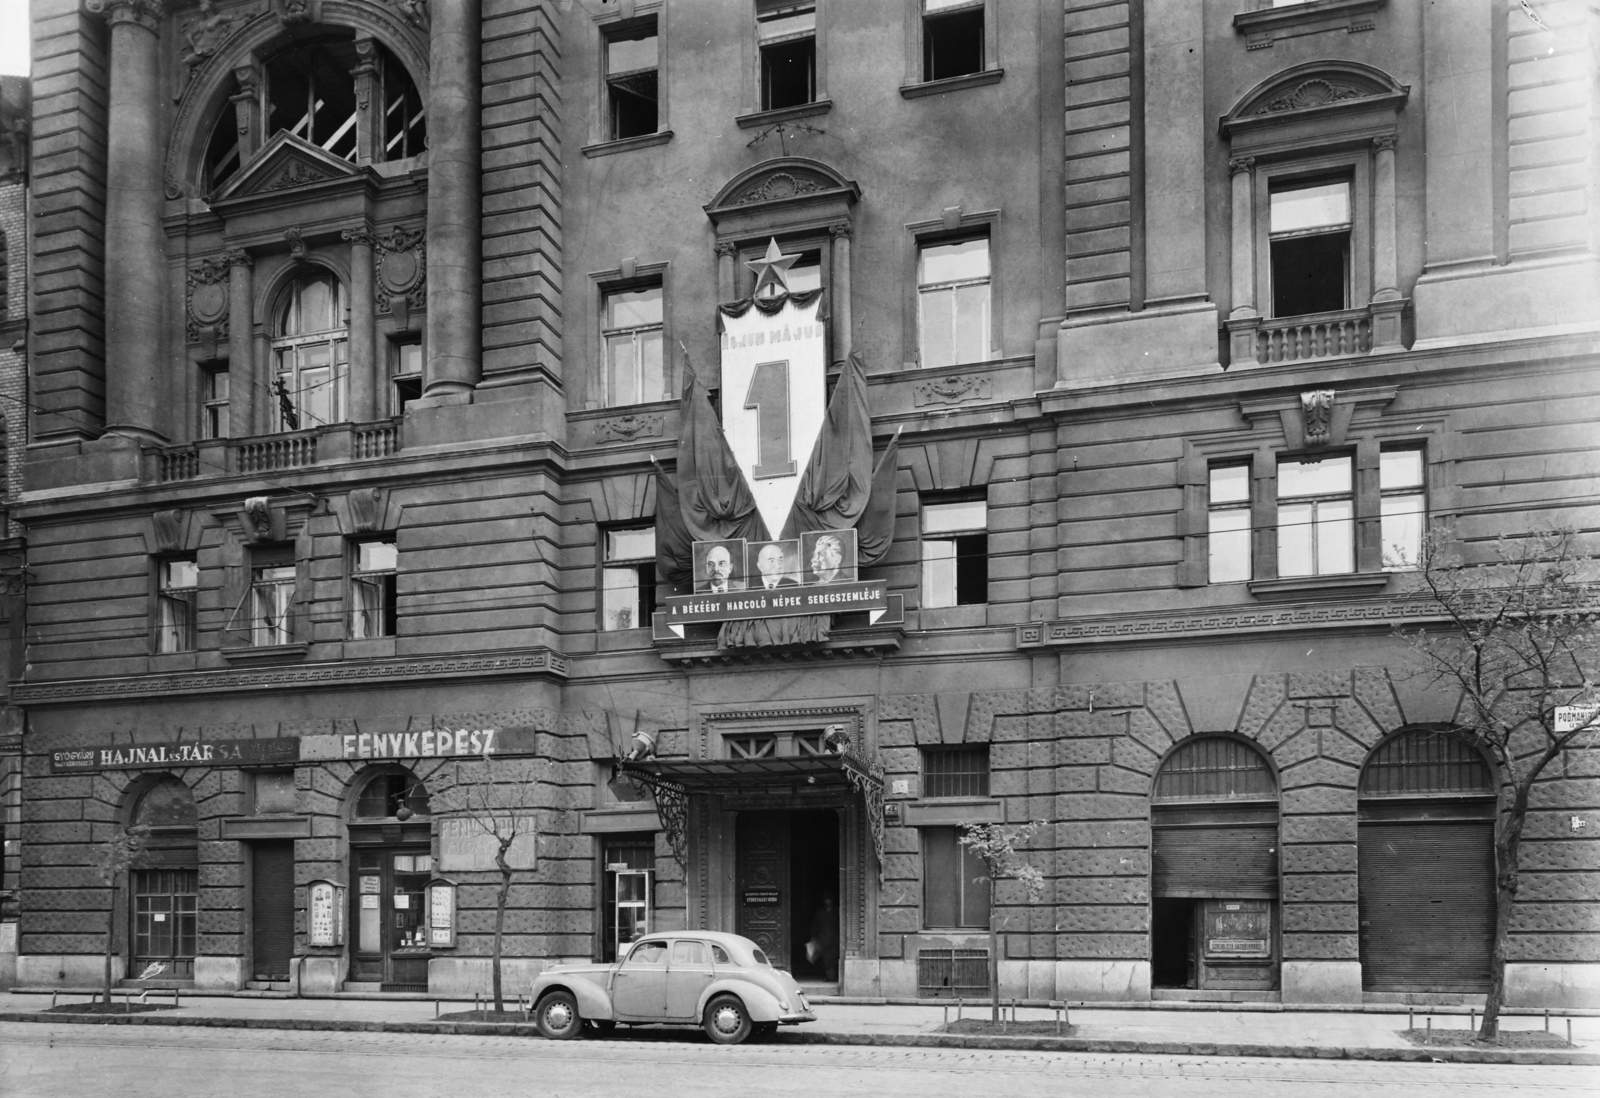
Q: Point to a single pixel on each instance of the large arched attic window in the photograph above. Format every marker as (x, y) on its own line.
(311, 89)
(311, 354)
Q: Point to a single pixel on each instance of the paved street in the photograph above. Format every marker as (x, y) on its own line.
(132, 1062)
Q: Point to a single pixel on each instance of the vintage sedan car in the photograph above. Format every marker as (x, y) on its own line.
(721, 982)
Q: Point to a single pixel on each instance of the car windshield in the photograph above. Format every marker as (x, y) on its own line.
(648, 953)
(760, 957)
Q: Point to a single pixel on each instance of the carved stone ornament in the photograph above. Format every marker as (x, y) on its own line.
(292, 12)
(297, 244)
(257, 515)
(954, 389)
(206, 32)
(414, 12)
(1316, 407)
(168, 526)
(207, 319)
(146, 13)
(627, 428)
(1316, 92)
(400, 268)
(295, 173)
(781, 185)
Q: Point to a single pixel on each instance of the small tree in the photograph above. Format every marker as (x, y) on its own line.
(500, 799)
(996, 845)
(1518, 645)
(118, 854)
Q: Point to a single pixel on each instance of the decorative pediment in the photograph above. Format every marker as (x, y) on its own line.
(284, 163)
(1316, 88)
(785, 179)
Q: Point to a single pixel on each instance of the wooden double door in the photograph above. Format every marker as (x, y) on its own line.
(388, 917)
(789, 888)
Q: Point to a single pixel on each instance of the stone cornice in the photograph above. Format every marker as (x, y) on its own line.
(538, 661)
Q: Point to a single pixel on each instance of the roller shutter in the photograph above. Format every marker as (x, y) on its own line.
(1235, 861)
(1427, 905)
(272, 909)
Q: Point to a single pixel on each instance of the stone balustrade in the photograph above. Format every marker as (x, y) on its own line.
(265, 454)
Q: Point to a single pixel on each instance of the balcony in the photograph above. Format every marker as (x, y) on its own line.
(1272, 341)
(265, 454)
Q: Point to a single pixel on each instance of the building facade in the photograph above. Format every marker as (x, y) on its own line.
(358, 328)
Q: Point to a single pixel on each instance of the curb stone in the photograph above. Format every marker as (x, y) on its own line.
(885, 1040)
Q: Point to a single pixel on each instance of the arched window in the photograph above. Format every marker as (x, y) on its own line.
(1424, 762)
(314, 91)
(1215, 768)
(311, 353)
(386, 794)
(163, 890)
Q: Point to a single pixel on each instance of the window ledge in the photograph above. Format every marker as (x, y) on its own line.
(953, 83)
(1266, 25)
(627, 144)
(276, 653)
(1348, 583)
(947, 812)
(783, 114)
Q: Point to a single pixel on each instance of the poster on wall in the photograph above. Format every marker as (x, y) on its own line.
(464, 846)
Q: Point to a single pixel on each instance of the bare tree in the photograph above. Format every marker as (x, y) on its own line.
(118, 855)
(996, 845)
(500, 799)
(1519, 647)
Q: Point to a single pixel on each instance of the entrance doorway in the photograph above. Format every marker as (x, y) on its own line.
(389, 916)
(272, 909)
(788, 879)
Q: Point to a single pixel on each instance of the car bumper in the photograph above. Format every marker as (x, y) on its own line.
(794, 1018)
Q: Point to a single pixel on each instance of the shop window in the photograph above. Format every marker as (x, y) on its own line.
(165, 903)
(1404, 507)
(372, 589)
(955, 771)
(271, 595)
(632, 334)
(1310, 247)
(628, 578)
(787, 37)
(392, 794)
(628, 865)
(1228, 524)
(955, 882)
(311, 354)
(405, 372)
(214, 403)
(177, 580)
(1316, 517)
(633, 81)
(952, 38)
(955, 553)
(953, 283)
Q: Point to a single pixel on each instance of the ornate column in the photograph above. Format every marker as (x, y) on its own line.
(135, 271)
(725, 272)
(1388, 304)
(247, 110)
(364, 366)
(1243, 320)
(369, 115)
(839, 299)
(455, 203)
(242, 379)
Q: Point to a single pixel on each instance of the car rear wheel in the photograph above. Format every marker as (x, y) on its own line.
(557, 1016)
(726, 1020)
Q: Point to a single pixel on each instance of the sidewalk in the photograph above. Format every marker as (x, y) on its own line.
(1216, 1032)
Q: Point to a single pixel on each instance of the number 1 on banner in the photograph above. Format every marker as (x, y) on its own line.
(769, 399)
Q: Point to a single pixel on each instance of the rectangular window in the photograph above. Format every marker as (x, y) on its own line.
(214, 404)
(633, 89)
(372, 589)
(405, 369)
(632, 335)
(955, 553)
(628, 864)
(628, 578)
(953, 302)
(1316, 517)
(1310, 245)
(955, 771)
(952, 38)
(176, 583)
(1404, 507)
(787, 34)
(271, 597)
(955, 885)
(164, 912)
(1228, 524)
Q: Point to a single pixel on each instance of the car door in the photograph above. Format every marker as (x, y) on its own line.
(688, 974)
(639, 988)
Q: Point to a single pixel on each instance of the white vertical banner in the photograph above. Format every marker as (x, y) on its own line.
(774, 396)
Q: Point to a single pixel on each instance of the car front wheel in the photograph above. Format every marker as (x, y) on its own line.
(726, 1020)
(557, 1017)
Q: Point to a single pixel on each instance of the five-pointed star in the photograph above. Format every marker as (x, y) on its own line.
(772, 269)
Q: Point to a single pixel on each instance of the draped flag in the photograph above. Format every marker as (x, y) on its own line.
(834, 486)
(714, 500)
(674, 545)
(875, 527)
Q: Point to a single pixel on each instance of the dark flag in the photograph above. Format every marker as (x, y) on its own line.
(875, 529)
(674, 546)
(714, 500)
(834, 487)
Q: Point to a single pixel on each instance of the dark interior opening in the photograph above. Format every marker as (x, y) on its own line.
(972, 569)
(634, 105)
(814, 879)
(1309, 274)
(1172, 942)
(952, 45)
(788, 74)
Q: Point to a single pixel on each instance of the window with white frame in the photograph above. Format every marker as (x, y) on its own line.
(1310, 246)
(953, 301)
(1316, 516)
(271, 596)
(373, 565)
(311, 354)
(177, 581)
(632, 333)
(952, 38)
(786, 34)
(633, 79)
(214, 403)
(628, 578)
(1404, 506)
(955, 553)
(1228, 524)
